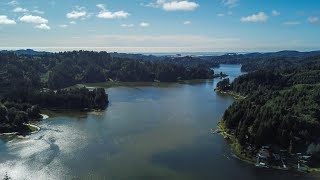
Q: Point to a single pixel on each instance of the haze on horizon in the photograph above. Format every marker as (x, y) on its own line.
(160, 25)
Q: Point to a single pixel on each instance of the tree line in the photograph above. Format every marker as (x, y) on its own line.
(43, 80)
(282, 105)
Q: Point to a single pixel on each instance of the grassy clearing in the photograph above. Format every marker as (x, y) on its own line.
(235, 95)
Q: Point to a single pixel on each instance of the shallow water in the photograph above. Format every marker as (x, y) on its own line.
(148, 132)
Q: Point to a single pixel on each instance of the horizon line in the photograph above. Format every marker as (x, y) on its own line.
(135, 50)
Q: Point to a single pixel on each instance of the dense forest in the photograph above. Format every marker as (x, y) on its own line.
(61, 70)
(281, 89)
(31, 80)
(18, 109)
(282, 105)
(257, 61)
(13, 116)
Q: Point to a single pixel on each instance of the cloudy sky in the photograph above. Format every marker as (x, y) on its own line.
(161, 25)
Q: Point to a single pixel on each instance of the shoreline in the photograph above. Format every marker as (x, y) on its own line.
(32, 127)
(44, 116)
(234, 145)
(111, 84)
(237, 153)
(236, 96)
(236, 148)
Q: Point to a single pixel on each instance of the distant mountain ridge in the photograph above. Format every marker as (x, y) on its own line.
(286, 53)
(151, 57)
(25, 52)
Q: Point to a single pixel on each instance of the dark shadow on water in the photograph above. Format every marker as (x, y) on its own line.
(208, 160)
(193, 160)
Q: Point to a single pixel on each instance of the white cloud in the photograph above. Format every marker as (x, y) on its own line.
(180, 6)
(313, 20)
(20, 10)
(127, 25)
(63, 25)
(113, 15)
(5, 20)
(87, 16)
(174, 5)
(260, 17)
(13, 3)
(42, 27)
(144, 24)
(106, 14)
(275, 13)
(230, 3)
(38, 11)
(101, 6)
(75, 14)
(187, 22)
(291, 23)
(33, 19)
(73, 22)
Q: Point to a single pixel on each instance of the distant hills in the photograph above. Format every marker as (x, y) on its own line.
(26, 52)
(285, 53)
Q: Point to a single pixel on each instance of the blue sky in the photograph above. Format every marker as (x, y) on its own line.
(161, 25)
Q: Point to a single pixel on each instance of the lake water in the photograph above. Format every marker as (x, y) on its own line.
(155, 131)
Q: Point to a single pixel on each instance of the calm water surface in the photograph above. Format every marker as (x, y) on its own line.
(148, 132)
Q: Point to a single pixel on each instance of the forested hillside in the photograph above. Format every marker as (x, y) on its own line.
(60, 70)
(282, 105)
(29, 79)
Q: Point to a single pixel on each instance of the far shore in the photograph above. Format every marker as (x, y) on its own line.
(109, 84)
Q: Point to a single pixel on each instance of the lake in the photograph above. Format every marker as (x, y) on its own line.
(149, 131)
